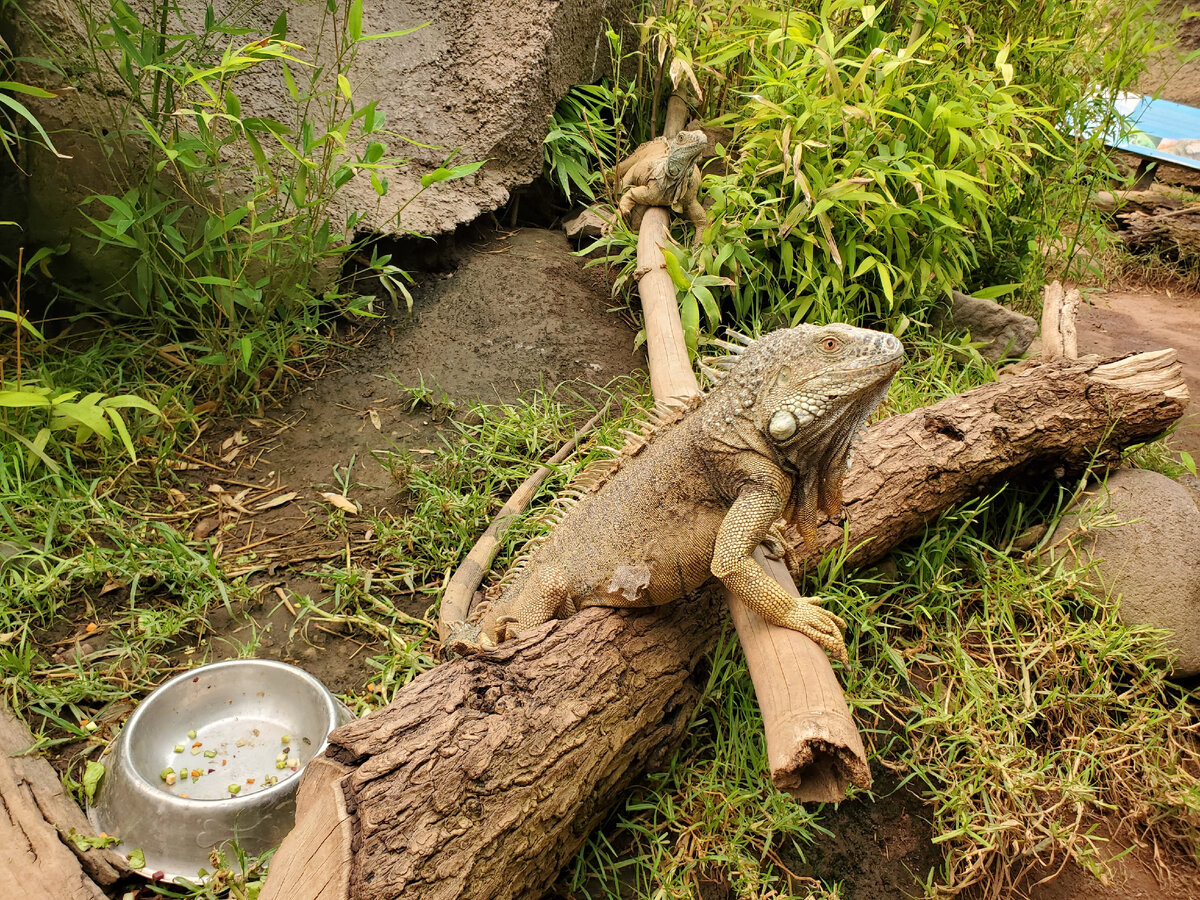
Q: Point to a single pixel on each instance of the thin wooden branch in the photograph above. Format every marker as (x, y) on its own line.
(460, 589)
(813, 746)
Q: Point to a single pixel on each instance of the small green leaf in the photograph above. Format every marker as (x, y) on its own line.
(137, 858)
(675, 270)
(92, 774)
(354, 20)
(442, 173)
(998, 290)
(689, 316)
(23, 398)
(122, 432)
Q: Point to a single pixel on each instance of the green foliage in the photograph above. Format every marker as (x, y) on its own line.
(885, 154)
(588, 130)
(582, 139)
(33, 410)
(17, 121)
(233, 245)
(881, 161)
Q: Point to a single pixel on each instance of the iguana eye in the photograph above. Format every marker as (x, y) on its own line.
(830, 344)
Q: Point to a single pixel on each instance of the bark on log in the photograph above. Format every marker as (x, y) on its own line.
(35, 861)
(1175, 233)
(484, 775)
(487, 773)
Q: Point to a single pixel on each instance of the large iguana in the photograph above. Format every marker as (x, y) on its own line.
(703, 484)
(662, 172)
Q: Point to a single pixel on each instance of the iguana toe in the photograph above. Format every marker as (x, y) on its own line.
(820, 625)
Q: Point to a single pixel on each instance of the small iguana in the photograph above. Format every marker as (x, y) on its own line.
(703, 484)
(662, 172)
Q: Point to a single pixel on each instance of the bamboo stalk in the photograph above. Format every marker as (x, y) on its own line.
(813, 746)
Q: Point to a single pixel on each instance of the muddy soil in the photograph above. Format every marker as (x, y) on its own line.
(515, 312)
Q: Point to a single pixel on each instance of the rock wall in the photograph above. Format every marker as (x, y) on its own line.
(480, 77)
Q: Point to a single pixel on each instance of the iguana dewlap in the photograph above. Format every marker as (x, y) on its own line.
(696, 493)
(663, 172)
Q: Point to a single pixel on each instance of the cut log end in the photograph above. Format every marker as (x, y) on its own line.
(821, 772)
(1156, 370)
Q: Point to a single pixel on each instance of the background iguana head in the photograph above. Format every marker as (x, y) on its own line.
(801, 396)
(683, 151)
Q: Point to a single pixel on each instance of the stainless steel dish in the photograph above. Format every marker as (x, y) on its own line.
(240, 723)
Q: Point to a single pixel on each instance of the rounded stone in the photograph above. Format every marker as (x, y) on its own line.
(1140, 533)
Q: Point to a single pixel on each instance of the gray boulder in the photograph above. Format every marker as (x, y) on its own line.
(1140, 534)
(481, 78)
(1004, 334)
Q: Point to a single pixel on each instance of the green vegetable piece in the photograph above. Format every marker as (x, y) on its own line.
(192, 734)
(137, 858)
(234, 788)
(91, 777)
(210, 753)
(179, 748)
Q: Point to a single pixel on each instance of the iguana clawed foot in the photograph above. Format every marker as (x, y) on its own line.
(818, 624)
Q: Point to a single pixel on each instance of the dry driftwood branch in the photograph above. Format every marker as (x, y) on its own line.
(1157, 198)
(35, 861)
(460, 590)
(814, 748)
(1060, 309)
(485, 774)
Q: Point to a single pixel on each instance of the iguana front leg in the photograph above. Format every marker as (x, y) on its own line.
(640, 194)
(758, 504)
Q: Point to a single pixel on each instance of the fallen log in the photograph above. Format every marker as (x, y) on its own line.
(484, 775)
(1174, 233)
(36, 858)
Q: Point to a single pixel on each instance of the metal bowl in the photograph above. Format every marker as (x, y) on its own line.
(234, 723)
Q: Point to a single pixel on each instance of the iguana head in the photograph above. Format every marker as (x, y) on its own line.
(801, 396)
(683, 151)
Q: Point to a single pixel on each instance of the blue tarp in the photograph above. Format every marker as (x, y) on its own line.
(1165, 131)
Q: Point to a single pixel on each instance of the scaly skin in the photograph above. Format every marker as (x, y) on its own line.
(771, 439)
(663, 172)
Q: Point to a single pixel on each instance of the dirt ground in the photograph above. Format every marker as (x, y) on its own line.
(1132, 321)
(515, 312)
